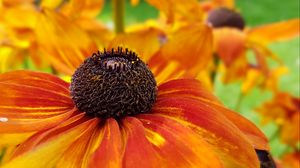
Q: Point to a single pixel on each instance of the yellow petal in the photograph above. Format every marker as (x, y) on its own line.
(252, 78)
(189, 49)
(82, 9)
(63, 42)
(145, 42)
(22, 16)
(178, 10)
(47, 154)
(52, 4)
(13, 139)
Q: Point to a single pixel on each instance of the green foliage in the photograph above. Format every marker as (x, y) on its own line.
(257, 12)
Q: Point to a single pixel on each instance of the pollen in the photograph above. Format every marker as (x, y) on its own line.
(113, 83)
(223, 17)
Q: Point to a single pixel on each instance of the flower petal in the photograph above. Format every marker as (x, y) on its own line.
(289, 133)
(188, 87)
(52, 133)
(52, 4)
(179, 146)
(224, 3)
(284, 30)
(12, 16)
(32, 98)
(138, 147)
(80, 151)
(82, 9)
(98, 32)
(177, 10)
(62, 42)
(213, 126)
(229, 44)
(145, 42)
(47, 153)
(193, 52)
(109, 153)
(13, 139)
(194, 89)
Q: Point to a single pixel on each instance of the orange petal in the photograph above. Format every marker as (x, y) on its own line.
(186, 87)
(224, 3)
(97, 31)
(229, 44)
(284, 30)
(82, 9)
(212, 126)
(62, 42)
(138, 147)
(289, 133)
(188, 49)
(291, 160)
(177, 10)
(237, 69)
(52, 4)
(48, 153)
(25, 13)
(145, 42)
(79, 152)
(178, 145)
(52, 133)
(194, 89)
(274, 76)
(213, 4)
(109, 153)
(32, 98)
(254, 135)
(12, 3)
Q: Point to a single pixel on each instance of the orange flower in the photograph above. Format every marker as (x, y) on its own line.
(290, 160)
(185, 127)
(284, 109)
(58, 39)
(19, 39)
(232, 41)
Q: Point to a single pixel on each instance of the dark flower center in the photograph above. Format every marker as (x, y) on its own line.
(113, 83)
(265, 158)
(223, 17)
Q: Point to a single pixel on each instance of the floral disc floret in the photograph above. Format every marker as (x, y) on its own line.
(114, 84)
(223, 17)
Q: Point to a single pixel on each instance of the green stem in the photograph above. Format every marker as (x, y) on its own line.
(239, 102)
(118, 10)
(274, 135)
(2, 153)
(53, 70)
(213, 75)
(26, 63)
